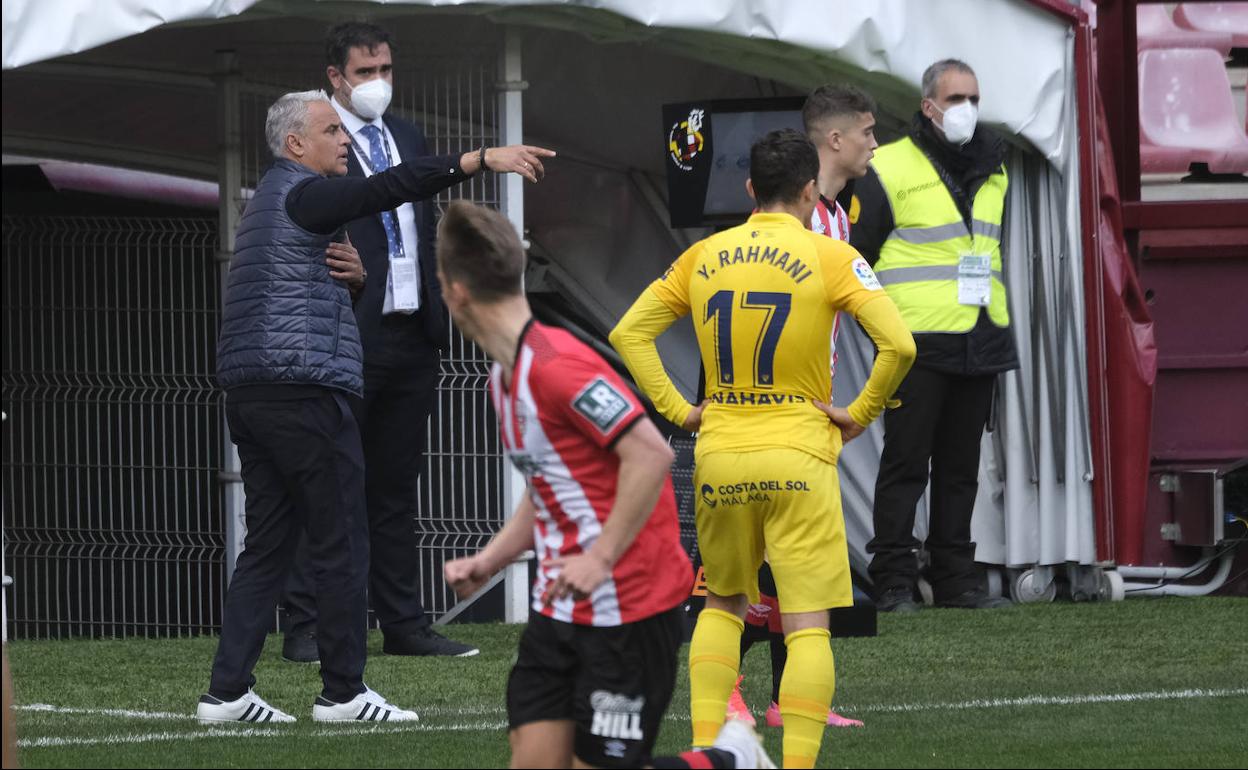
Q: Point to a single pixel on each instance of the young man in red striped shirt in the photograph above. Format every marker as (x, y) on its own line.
(598, 660)
(840, 122)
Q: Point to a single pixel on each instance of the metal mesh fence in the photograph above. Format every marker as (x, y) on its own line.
(682, 485)
(112, 507)
(113, 510)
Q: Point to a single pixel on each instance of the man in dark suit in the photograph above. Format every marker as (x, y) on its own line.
(403, 326)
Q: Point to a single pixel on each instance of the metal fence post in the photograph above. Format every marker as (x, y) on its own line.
(511, 118)
(7, 581)
(230, 181)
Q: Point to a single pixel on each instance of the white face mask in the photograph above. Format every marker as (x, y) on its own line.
(959, 122)
(370, 99)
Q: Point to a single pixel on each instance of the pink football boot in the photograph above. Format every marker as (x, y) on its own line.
(774, 719)
(736, 705)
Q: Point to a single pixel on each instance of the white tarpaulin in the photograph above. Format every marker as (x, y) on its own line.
(899, 38)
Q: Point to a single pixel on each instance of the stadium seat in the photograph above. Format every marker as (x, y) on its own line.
(1187, 114)
(1226, 18)
(1155, 29)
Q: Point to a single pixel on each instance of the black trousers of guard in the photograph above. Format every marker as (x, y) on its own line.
(400, 392)
(302, 469)
(939, 425)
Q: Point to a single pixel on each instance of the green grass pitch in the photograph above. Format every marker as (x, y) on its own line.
(1142, 683)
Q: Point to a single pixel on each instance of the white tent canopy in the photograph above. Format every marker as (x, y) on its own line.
(795, 41)
(600, 101)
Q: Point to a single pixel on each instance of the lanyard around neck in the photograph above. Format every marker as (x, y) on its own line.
(384, 138)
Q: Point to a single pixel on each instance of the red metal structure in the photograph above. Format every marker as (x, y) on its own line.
(1183, 283)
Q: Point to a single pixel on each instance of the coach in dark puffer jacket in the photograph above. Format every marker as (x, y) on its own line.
(289, 358)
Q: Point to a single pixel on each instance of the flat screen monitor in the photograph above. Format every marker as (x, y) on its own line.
(708, 155)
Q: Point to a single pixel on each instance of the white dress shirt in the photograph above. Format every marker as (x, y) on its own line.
(353, 124)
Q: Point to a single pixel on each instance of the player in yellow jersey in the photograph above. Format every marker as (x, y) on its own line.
(763, 296)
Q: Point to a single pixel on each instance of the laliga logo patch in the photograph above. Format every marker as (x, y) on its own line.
(707, 492)
(602, 404)
(866, 276)
(685, 140)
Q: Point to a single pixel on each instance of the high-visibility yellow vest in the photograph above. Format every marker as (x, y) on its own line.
(918, 263)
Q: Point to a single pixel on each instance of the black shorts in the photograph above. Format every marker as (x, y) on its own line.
(614, 683)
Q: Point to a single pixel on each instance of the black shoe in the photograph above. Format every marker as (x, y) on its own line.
(426, 641)
(300, 647)
(900, 600)
(975, 599)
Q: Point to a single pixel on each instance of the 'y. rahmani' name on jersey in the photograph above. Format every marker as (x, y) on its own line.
(764, 296)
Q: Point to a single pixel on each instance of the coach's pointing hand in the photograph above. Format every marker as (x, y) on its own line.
(522, 159)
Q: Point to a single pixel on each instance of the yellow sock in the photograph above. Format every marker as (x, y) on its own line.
(714, 657)
(806, 690)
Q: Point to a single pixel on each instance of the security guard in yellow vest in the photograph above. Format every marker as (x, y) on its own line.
(929, 220)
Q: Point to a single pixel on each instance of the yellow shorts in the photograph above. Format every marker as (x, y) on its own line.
(782, 501)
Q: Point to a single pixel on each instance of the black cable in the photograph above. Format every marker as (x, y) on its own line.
(1199, 568)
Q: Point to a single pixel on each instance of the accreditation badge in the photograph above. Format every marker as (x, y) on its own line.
(404, 283)
(974, 280)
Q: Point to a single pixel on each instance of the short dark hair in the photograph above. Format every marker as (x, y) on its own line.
(478, 247)
(781, 164)
(341, 38)
(931, 75)
(834, 101)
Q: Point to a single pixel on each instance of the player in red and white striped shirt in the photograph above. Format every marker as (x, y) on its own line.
(840, 121)
(597, 663)
(562, 413)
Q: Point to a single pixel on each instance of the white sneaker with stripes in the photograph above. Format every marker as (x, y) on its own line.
(368, 706)
(249, 708)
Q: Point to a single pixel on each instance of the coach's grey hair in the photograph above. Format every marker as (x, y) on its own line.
(289, 115)
(931, 76)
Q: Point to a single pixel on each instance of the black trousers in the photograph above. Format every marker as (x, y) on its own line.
(939, 426)
(302, 469)
(394, 414)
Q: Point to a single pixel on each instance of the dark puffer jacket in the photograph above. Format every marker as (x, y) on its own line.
(285, 320)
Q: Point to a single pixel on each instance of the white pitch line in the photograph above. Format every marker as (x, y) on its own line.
(347, 728)
(1048, 700)
(186, 716)
(250, 732)
(117, 740)
(126, 713)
